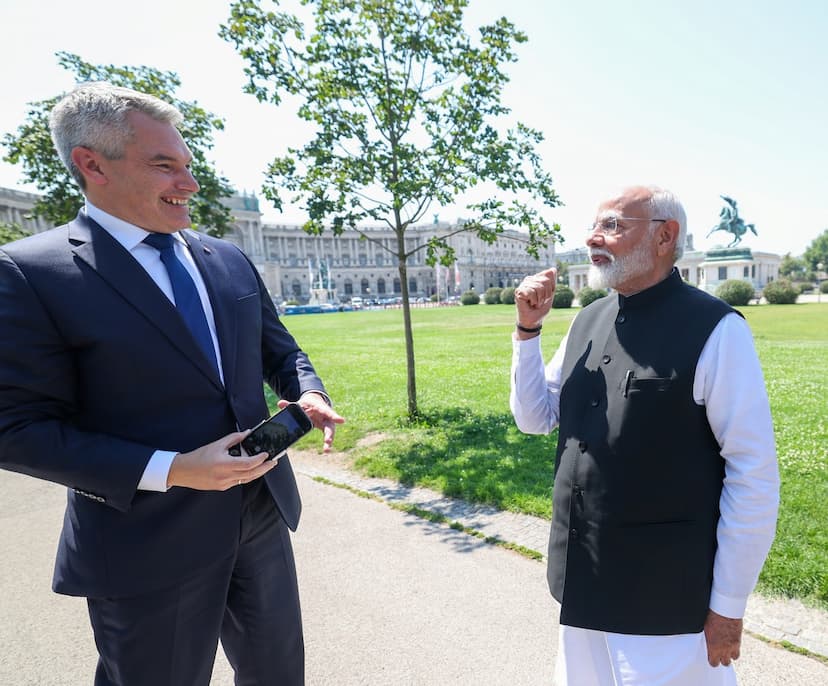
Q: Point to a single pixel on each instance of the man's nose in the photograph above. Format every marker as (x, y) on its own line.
(188, 182)
(594, 237)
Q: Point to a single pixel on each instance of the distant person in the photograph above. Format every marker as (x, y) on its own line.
(133, 354)
(666, 481)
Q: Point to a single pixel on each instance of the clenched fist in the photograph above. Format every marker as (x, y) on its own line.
(533, 298)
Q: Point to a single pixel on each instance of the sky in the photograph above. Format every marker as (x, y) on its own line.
(703, 97)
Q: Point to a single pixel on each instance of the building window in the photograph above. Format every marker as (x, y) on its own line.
(381, 286)
(412, 285)
(363, 259)
(753, 271)
(397, 287)
(349, 287)
(722, 273)
(296, 288)
(745, 272)
(685, 274)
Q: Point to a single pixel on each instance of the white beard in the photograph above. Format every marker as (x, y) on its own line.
(619, 269)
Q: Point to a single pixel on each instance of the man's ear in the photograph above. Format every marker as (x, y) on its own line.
(667, 237)
(88, 162)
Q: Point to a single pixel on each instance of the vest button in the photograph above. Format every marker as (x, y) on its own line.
(573, 533)
(582, 446)
(606, 359)
(621, 318)
(594, 402)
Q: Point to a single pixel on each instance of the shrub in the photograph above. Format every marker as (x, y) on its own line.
(291, 302)
(563, 297)
(588, 295)
(507, 295)
(823, 287)
(735, 292)
(492, 295)
(804, 287)
(780, 292)
(470, 298)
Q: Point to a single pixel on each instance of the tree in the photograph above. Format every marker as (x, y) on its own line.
(817, 252)
(11, 232)
(404, 106)
(563, 272)
(33, 148)
(793, 267)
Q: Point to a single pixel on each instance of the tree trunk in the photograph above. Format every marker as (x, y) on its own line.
(409, 337)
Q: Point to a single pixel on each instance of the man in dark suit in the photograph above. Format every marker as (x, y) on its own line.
(132, 358)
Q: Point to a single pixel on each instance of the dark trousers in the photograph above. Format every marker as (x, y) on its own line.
(250, 600)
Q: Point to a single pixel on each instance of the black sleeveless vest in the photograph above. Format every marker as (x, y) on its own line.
(638, 472)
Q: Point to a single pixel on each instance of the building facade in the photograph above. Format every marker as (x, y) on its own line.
(358, 262)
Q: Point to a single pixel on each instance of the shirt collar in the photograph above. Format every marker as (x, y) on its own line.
(128, 235)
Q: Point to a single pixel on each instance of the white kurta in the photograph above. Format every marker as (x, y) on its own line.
(729, 383)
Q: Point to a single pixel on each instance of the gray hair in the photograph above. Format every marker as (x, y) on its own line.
(94, 116)
(664, 205)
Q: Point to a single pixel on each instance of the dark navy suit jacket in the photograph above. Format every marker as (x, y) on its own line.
(97, 371)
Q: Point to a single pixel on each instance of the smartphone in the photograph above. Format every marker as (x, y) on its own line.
(275, 435)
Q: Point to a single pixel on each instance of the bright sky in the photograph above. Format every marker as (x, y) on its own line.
(705, 97)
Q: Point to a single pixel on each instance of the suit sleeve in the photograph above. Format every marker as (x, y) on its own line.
(287, 369)
(38, 386)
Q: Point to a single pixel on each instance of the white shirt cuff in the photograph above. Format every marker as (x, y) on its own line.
(157, 471)
(727, 606)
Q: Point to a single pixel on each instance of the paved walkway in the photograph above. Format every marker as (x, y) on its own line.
(769, 618)
(388, 598)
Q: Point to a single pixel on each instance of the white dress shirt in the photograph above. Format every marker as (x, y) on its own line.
(131, 238)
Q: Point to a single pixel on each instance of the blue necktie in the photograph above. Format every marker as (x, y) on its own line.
(187, 300)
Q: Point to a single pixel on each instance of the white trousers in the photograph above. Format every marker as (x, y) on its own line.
(600, 658)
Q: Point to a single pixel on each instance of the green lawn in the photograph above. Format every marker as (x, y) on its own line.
(466, 444)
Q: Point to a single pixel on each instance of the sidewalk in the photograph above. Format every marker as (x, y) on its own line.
(772, 619)
(388, 598)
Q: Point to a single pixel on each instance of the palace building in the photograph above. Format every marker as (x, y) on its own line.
(363, 262)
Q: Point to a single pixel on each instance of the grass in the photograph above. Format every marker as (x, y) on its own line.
(465, 443)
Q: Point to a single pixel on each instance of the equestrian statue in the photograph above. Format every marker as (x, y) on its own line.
(730, 221)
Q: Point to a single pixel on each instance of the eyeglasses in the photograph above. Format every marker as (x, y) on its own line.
(609, 225)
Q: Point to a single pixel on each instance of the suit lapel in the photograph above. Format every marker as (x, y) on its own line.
(121, 271)
(218, 282)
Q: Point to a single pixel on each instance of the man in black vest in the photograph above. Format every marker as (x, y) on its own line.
(666, 481)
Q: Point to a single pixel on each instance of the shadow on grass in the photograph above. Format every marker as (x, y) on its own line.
(479, 458)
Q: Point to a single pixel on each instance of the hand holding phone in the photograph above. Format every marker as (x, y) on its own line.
(275, 435)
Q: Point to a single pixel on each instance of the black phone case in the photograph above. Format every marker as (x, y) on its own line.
(276, 434)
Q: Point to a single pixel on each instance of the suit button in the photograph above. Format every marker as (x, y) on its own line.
(582, 446)
(621, 318)
(594, 402)
(573, 533)
(606, 359)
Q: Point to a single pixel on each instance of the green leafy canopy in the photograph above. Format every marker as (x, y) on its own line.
(31, 146)
(404, 107)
